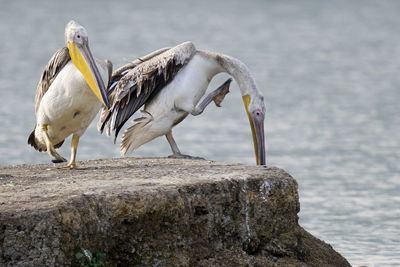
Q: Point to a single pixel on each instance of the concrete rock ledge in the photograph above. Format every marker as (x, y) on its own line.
(155, 212)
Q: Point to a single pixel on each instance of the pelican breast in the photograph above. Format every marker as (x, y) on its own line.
(69, 105)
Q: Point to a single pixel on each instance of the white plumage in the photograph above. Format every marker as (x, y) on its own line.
(69, 105)
(69, 94)
(173, 102)
(170, 84)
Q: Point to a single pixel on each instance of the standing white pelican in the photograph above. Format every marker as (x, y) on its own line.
(170, 83)
(68, 93)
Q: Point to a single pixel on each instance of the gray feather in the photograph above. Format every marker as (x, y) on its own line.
(53, 67)
(139, 81)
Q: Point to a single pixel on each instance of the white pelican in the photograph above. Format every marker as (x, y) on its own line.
(68, 93)
(170, 83)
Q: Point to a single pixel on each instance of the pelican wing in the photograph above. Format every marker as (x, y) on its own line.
(55, 65)
(115, 77)
(136, 83)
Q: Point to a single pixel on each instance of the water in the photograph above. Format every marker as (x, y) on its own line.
(329, 71)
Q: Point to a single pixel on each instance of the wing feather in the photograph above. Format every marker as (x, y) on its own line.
(53, 67)
(139, 81)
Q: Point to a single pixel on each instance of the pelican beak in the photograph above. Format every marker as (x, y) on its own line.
(84, 62)
(256, 119)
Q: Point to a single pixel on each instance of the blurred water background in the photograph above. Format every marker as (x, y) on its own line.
(330, 72)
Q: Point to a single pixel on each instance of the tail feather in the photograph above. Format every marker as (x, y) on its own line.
(59, 144)
(103, 121)
(32, 140)
(131, 138)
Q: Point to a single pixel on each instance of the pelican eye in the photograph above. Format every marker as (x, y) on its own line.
(258, 114)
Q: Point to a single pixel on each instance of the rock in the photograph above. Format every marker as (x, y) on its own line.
(155, 212)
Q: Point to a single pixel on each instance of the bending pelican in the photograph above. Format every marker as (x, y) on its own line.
(68, 94)
(170, 83)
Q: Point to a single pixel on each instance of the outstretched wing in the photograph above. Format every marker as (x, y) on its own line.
(136, 83)
(55, 65)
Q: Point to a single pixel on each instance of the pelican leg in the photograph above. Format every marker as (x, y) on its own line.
(217, 96)
(50, 147)
(74, 147)
(175, 150)
(172, 143)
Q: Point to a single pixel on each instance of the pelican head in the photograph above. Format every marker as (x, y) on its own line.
(253, 100)
(255, 109)
(76, 38)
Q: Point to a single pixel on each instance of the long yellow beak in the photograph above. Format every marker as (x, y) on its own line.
(257, 131)
(84, 62)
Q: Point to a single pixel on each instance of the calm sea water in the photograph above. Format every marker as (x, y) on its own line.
(330, 72)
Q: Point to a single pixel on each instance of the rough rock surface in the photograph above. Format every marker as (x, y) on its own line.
(155, 212)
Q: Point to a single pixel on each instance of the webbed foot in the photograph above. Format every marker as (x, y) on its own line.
(183, 156)
(58, 160)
